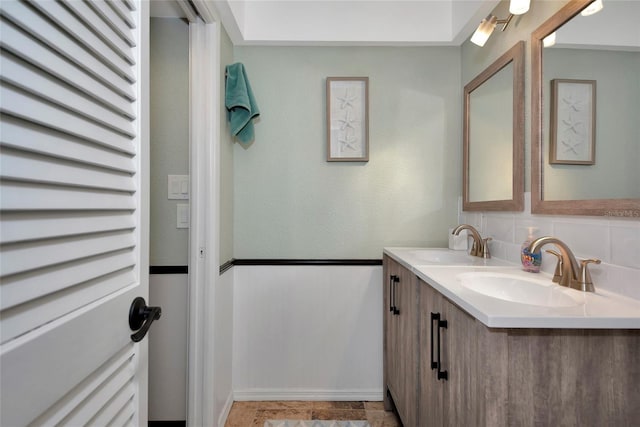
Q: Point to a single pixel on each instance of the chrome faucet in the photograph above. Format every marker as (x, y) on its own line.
(480, 248)
(570, 274)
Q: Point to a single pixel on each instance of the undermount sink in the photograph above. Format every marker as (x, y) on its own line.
(514, 288)
(442, 256)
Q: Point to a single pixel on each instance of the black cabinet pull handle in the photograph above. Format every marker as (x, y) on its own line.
(437, 364)
(434, 316)
(141, 316)
(396, 280)
(391, 281)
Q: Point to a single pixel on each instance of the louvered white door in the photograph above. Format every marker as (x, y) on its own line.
(74, 211)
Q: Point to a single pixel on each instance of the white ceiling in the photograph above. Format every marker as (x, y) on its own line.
(344, 22)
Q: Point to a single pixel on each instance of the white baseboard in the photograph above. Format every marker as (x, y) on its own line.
(373, 395)
(222, 419)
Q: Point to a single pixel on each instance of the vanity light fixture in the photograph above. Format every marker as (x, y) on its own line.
(488, 24)
(486, 27)
(594, 7)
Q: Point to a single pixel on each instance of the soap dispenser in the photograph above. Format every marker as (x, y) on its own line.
(530, 260)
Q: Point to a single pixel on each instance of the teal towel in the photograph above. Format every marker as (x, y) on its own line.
(241, 103)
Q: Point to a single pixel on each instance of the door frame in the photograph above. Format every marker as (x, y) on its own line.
(204, 264)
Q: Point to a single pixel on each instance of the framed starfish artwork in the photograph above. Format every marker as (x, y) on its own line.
(347, 119)
(573, 122)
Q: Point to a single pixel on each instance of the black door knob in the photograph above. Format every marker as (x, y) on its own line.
(141, 316)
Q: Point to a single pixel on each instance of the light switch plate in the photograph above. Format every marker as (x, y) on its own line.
(178, 187)
(182, 213)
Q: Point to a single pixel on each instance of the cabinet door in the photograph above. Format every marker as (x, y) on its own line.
(430, 395)
(407, 333)
(390, 376)
(459, 357)
(401, 335)
(475, 360)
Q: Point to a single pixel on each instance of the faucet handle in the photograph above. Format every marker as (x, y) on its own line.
(585, 277)
(485, 248)
(557, 274)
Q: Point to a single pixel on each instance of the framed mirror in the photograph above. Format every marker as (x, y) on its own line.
(493, 136)
(585, 94)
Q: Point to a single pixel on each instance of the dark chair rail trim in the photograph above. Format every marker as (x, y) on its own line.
(183, 269)
(168, 269)
(167, 423)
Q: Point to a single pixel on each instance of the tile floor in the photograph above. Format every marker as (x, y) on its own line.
(254, 414)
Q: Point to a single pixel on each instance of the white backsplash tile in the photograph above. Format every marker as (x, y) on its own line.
(625, 245)
(498, 249)
(539, 228)
(622, 280)
(513, 252)
(616, 242)
(586, 239)
(499, 227)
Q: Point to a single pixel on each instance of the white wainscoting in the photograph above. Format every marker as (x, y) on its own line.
(307, 333)
(222, 343)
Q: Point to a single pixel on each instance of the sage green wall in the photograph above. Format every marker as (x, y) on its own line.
(169, 56)
(226, 159)
(290, 203)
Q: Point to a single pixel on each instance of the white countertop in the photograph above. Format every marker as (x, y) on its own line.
(441, 267)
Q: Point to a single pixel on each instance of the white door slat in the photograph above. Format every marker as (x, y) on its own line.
(42, 29)
(21, 288)
(40, 357)
(36, 53)
(26, 197)
(55, 414)
(32, 80)
(28, 316)
(99, 27)
(27, 167)
(85, 37)
(113, 20)
(131, 5)
(122, 396)
(124, 416)
(23, 257)
(122, 11)
(84, 413)
(26, 106)
(26, 136)
(25, 226)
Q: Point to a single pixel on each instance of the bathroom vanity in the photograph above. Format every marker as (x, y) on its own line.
(460, 352)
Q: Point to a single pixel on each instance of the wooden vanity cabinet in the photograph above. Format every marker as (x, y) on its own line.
(400, 340)
(502, 376)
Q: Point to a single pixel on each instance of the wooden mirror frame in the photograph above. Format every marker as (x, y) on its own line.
(514, 55)
(595, 207)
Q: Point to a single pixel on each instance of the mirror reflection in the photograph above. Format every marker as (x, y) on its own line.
(603, 48)
(493, 135)
(491, 130)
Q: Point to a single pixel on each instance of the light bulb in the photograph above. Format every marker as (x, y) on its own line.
(550, 40)
(484, 30)
(518, 7)
(594, 7)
